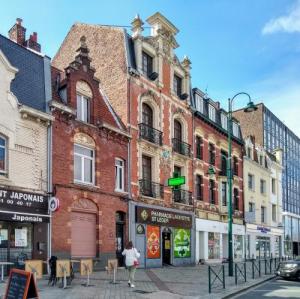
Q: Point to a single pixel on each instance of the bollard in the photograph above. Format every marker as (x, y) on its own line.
(252, 269)
(209, 280)
(245, 271)
(259, 268)
(235, 273)
(223, 267)
(265, 266)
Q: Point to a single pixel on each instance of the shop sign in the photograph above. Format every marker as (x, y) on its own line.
(161, 217)
(182, 243)
(23, 201)
(153, 242)
(263, 229)
(23, 217)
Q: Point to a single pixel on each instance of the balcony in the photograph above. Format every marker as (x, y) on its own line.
(150, 134)
(151, 189)
(182, 196)
(181, 147)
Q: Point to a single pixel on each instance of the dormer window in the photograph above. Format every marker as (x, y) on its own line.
(212, 113)
(248, 152)
(83, 108)
(147, 64)
(177, 85)
(199, 103)
(3, 155)
(224, 121)
(235, 130)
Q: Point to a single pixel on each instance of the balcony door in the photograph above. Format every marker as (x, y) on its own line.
(147, 115)
(147, 175)
(177, 130)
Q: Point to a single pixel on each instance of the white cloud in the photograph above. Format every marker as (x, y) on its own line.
(286, 23)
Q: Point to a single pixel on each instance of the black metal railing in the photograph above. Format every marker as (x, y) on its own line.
(182, 196)
(150, 134)
(151, 189)
(181, 147)
(216, 276)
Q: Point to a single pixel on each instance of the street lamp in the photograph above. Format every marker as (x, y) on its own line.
(249, 108)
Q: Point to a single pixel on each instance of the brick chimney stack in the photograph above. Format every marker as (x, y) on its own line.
(17, 32)
(32, 42)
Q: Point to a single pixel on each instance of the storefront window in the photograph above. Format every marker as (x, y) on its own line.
(287, 228)
(213, 245)
(295, 232)
(238, 247)
(288, 248)
(262, 247)
(277, 246)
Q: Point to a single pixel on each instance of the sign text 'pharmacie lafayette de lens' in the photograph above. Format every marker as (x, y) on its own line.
(23, 201)
(162, 217)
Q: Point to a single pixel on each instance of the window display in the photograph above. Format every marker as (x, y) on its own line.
(213, 245)
(238, 247)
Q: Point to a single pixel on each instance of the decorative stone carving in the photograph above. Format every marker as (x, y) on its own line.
(84, 139)
(85, 204)
(83, 88)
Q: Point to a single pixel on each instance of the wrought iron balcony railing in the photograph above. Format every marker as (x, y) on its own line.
(151, 189)
(150, 134)
(181, 147)
(182, 196)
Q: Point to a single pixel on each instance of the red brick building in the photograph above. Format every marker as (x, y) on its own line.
(210, 178)
(149, 88)
(90, 154)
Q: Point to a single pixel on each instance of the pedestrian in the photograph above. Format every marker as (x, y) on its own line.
(131, 261)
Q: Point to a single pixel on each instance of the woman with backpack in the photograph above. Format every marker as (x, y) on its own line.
(131, 262)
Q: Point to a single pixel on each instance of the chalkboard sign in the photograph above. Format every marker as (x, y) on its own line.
(20, 285)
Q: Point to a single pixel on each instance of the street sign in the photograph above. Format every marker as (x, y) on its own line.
(176, 181)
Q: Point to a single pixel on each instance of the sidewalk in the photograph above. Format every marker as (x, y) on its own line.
(170, 282)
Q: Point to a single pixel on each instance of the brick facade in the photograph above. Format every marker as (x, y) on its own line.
(105, 133)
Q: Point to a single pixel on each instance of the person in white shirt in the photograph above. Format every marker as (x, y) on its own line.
(131, 261)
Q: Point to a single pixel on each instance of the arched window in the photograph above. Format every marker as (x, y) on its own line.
(147, 115)
(84, 96)
(177, 130)
(3, 155)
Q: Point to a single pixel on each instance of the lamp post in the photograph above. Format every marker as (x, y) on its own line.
(250, 107)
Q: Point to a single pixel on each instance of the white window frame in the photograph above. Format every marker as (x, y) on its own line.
(263, 185)
(199, 103)
(82, 157)
(224, 121)
(5, 147)
(211, 112)
(119, 168)
(80, 100)
(253, 182)
(235, 130)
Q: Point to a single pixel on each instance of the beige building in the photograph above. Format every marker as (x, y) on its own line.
(263, 201)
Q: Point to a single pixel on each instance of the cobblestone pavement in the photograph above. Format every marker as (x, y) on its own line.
(169, 282)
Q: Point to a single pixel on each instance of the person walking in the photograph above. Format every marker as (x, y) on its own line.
(131, 261)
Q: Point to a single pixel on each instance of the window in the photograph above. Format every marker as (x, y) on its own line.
(273, 186)
(199, 147)
(177, 130)
(235, 166)
(249, 152)
(251, 182)
(199, 103)
(199, 187)
(263, 214)
(83, 108)
(224, 193)
(147, 64)
(251, 207)
(274, 213)
(212, 155)
(261, 160)
(84, 164)
(236, 199)
(223, 162)
(262, 186)
(235, 130)
(147, 115)
(212, 192)
(119, 173)
(177, 85)
(3, 155)
(211, 112)
(224, 121)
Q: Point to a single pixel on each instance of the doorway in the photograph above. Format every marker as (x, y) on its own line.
(166, 248)
(120, 223)
(295, 249)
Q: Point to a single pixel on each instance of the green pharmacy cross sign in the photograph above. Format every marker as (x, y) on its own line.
(176, 180)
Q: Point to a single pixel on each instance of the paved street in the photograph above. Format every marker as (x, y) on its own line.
(170, 282)
(277, 288)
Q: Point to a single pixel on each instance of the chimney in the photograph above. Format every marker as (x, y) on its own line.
(17, 32)
(32, 42)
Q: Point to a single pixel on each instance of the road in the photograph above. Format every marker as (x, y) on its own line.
(277, 288)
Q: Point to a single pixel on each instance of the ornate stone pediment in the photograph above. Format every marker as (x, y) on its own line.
(85, 204)
(84, 139)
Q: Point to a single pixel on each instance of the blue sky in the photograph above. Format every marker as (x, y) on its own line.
(234, 45)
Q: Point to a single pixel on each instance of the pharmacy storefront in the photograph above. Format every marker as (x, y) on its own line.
(163, 236)
(263, 241)
(212, 240)
(24, 220)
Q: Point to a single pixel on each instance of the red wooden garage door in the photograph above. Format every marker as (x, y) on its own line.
(83, 235)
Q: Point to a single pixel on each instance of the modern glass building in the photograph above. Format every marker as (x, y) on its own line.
(272, 133)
